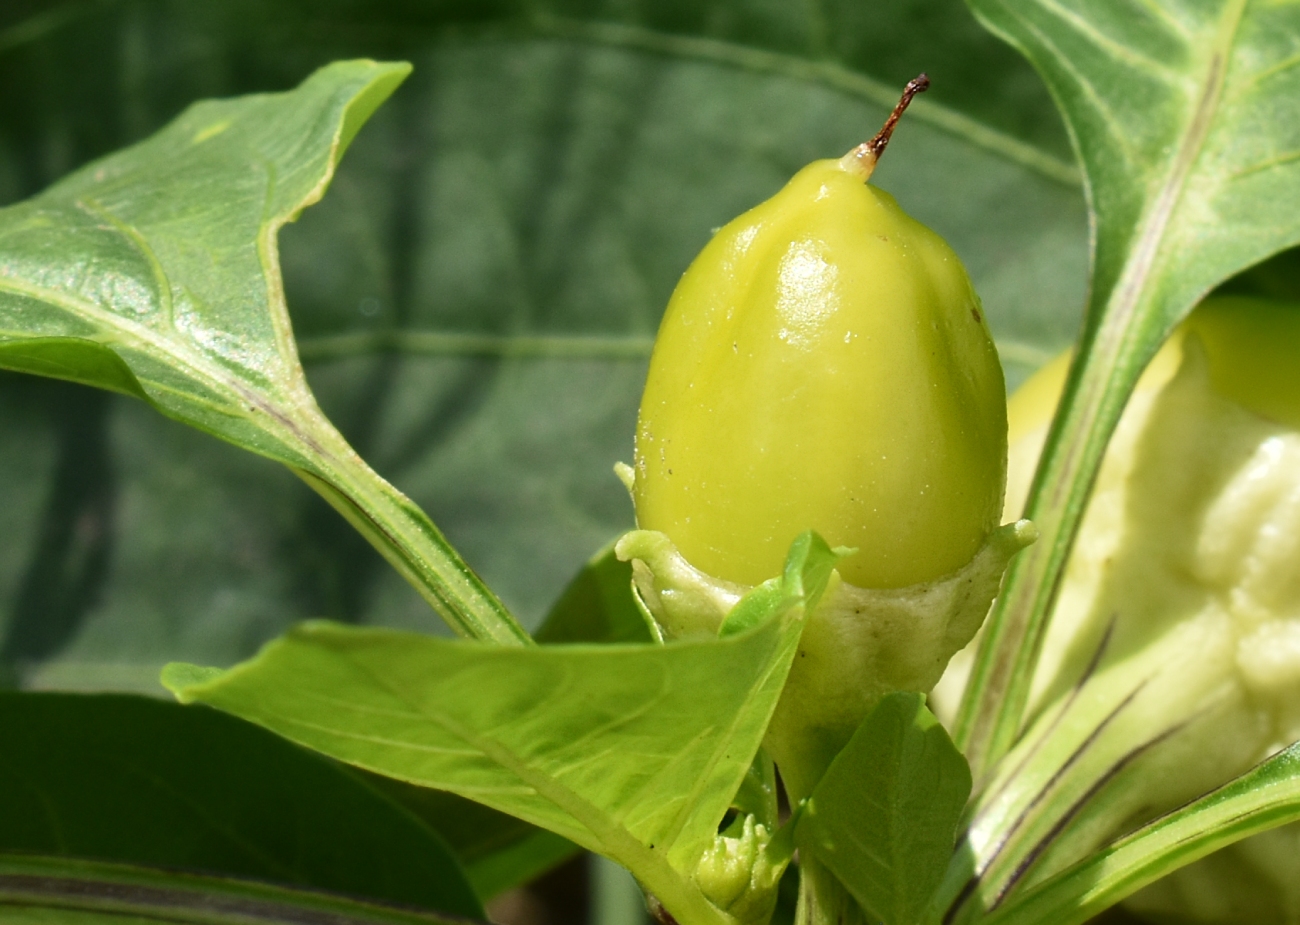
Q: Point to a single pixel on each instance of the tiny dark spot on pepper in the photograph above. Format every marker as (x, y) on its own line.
(975, 313)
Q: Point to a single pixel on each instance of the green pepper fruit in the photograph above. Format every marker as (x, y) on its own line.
(824, 363)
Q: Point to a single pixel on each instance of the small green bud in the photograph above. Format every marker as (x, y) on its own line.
(824, 364)
(739, 873)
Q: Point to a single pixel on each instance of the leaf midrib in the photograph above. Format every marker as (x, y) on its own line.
(1132, 285)
(1031, 592)
(179, 356)
(651, 864)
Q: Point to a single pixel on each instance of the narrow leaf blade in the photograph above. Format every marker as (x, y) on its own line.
(1262, 799)
(1187, 121)
(77, 892)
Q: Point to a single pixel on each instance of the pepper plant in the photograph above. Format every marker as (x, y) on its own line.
(720, 729)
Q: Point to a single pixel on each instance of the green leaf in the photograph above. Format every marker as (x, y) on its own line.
(1262, 799)
(808, 570)
(517, 863)
(884, 817)
(76, 892)
(476, 295)
(156, 271)
(1187, 122)
(135, 780)
(597, 606)
(757, 795)
(612, 747)
(163, 256)
(497, 852)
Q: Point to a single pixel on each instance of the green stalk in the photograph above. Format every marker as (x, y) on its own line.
(1100, 383)
(407, 538)
(1131, 312)
(823, 899)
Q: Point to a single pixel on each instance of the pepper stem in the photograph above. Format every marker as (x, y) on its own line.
(862, 159)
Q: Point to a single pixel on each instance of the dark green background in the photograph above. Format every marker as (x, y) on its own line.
(546, 173)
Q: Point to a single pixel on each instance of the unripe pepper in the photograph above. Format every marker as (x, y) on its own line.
(824, 363)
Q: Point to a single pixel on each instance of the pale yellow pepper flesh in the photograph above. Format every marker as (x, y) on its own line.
(824, 363)
(1252, 345)
(1185, 566)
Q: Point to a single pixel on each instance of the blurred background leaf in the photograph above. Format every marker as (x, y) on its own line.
(141, 781)
(477, 293)
(72, 891)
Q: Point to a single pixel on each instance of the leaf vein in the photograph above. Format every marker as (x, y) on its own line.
(1110, 122)
(1278, 161)
(138, 241)
(1114, 49)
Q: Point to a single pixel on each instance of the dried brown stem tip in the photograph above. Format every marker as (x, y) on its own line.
(863, 158)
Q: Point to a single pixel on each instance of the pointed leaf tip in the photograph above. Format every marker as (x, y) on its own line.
(807, 574)
(384, 78)
(181, 677)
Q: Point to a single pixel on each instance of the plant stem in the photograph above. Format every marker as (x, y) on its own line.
(998, 691)
(862, 159)
(1131, 312)
(823, 899)
(407, 538)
